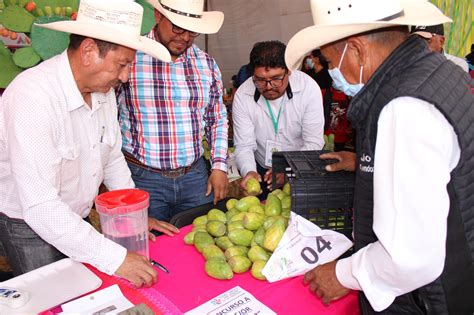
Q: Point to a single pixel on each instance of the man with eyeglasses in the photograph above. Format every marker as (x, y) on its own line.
(274, 110)
(166, 108)
(434, 35)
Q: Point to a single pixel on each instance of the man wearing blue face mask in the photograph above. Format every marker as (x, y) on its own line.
(340, 83)
(414, 160)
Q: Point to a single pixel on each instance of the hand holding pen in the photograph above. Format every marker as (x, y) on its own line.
(159, 266)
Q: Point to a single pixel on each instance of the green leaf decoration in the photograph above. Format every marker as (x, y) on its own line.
(26, 57)
(48, 43)
(148, 21)
(17, 19)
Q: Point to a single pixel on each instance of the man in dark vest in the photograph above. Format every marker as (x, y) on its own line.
(413, 113)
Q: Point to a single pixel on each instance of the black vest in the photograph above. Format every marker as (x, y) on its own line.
(413, 71)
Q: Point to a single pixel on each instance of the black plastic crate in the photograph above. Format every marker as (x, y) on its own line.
(324, 198)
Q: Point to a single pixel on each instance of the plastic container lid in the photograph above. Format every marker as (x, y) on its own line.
(122, 201)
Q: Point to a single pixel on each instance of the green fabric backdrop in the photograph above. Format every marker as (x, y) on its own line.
(459, 34)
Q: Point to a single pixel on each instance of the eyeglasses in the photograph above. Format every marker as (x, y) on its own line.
(274, 83)
(178, 30)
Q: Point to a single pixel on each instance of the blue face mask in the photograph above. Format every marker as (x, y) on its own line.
(340, 83)
(310, 63)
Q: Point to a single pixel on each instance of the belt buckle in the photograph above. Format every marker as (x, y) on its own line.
(174, 173)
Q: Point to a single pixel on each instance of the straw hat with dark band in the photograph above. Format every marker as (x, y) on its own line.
(190, 15)
(338, 19)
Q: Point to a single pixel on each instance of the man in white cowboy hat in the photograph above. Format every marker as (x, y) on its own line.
(166, 108)
(413, 113)
(60, 139)
(434, 35)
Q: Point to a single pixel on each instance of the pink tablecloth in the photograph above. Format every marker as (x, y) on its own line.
(188, 286)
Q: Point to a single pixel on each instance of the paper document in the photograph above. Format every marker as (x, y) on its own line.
(233, 301)
(106, 301)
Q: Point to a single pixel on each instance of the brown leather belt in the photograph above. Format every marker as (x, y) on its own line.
(173, 173)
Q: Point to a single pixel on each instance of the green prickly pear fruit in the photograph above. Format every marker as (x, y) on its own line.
(239, 263)
(253, 221)
(230, 203)
(216, 214)
(259, 236)
(245, 203)
(238, 217)
(235, 225)
(216, 228)
(257, 209)
(224, 242)
(236, 251)
(213, 252)
(257, 268)
(241, 237)
(229, 214)
(253, 187)
(189, 238)
(272, 206)
(200, 220)
(273, 235)
(218, 269)
(202, 240)
(258, 253)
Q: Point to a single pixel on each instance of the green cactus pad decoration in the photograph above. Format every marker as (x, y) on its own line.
(26, 57)
(9, 70)
(48, 43)
(16, 18)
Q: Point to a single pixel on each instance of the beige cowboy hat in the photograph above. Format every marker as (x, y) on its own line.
(338, 19)
(190, 15)
(114, 21)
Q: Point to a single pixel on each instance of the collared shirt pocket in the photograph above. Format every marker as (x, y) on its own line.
(70, 166)
(106, 143)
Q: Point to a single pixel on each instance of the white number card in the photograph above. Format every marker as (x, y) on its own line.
(303, 247)
(272, 146)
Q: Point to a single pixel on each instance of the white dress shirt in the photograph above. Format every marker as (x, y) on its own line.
(458, 61)
(416, 150)
(55, 151)
(300, 127)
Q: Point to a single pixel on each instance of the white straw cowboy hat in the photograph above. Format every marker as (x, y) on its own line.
(338, 19)
(114, 21)
(190, 15)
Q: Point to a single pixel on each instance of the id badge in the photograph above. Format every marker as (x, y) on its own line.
(272, 146)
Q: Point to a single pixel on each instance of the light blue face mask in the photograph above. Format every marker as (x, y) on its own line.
(310, 63)
(340, 83)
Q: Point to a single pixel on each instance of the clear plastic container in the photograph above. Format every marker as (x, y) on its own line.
(124, 218)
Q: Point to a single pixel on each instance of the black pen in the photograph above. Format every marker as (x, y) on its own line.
(157, 264)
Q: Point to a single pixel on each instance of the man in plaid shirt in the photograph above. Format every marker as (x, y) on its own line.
(166, 108)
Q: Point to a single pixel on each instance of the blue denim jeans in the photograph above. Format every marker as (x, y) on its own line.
(169, 196)
(24, 249)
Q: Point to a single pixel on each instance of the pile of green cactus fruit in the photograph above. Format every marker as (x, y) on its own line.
(243, 238)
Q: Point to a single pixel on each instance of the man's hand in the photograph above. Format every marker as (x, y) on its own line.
(218, 182)
(249, 175)
(323, 282)
(347, 161)
(267, 178)
(138, 270)
(162, 226)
